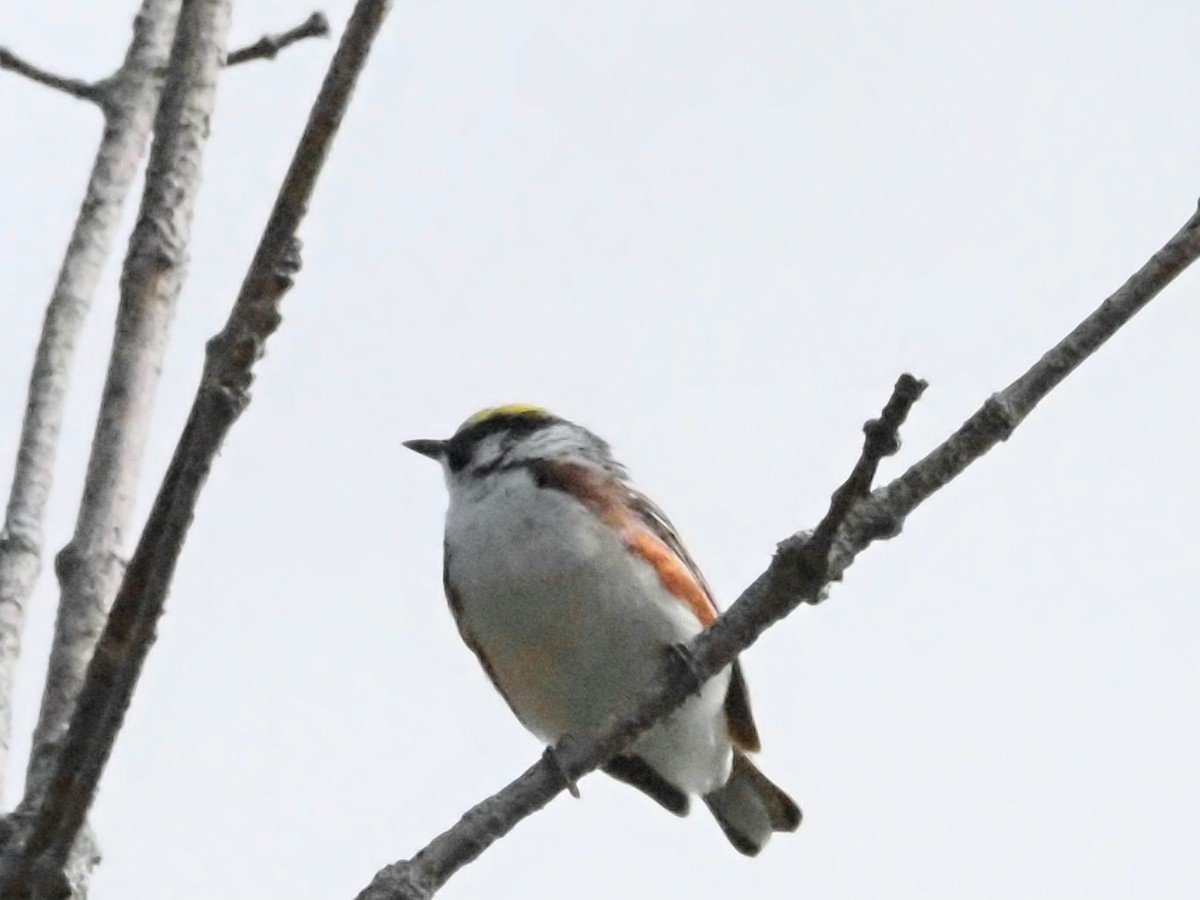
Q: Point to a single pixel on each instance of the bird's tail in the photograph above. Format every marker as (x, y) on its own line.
(750, 807)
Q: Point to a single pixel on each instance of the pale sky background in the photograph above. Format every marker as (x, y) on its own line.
(715, 232)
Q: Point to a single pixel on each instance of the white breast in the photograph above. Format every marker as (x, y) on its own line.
(572, 624)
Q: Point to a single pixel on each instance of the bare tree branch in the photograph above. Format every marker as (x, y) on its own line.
(882, 439)
(1003, 412)
(269, 45)
(81, 90)
(266, 47)
(794, 577)
(36, 854)
(131, 100)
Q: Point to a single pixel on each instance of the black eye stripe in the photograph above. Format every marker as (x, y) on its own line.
(460, 447)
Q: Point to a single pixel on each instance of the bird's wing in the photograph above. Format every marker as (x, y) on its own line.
(737, 700)
(647, 531)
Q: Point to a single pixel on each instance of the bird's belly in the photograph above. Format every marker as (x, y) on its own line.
(572, 624)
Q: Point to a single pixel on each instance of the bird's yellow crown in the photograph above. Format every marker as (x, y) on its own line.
(508, 409)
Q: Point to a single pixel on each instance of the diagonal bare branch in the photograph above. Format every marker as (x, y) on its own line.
(1004, 411)
(793, 577)
(267, 46)
(36, 854)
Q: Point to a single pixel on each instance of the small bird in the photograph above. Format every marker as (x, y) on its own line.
(569, 585)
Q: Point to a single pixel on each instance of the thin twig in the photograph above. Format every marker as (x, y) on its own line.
(268, 45)
(130, 103)
(882, 439)
(790, 580)
(82, 90)
(222, 396)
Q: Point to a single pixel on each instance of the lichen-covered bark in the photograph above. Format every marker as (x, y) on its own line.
(129, 101)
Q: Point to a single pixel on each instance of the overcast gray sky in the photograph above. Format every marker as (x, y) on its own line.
(714, 232)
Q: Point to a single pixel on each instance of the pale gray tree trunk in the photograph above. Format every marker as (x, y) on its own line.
(47, 850)
(89, 567)
(128, 100)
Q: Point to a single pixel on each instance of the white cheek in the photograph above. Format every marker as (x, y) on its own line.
(488, 451)
(556, 441)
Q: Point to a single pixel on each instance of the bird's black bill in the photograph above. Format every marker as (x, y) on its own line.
(432, 449)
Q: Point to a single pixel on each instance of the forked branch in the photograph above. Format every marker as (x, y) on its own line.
(802, 568)
(266, 47)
